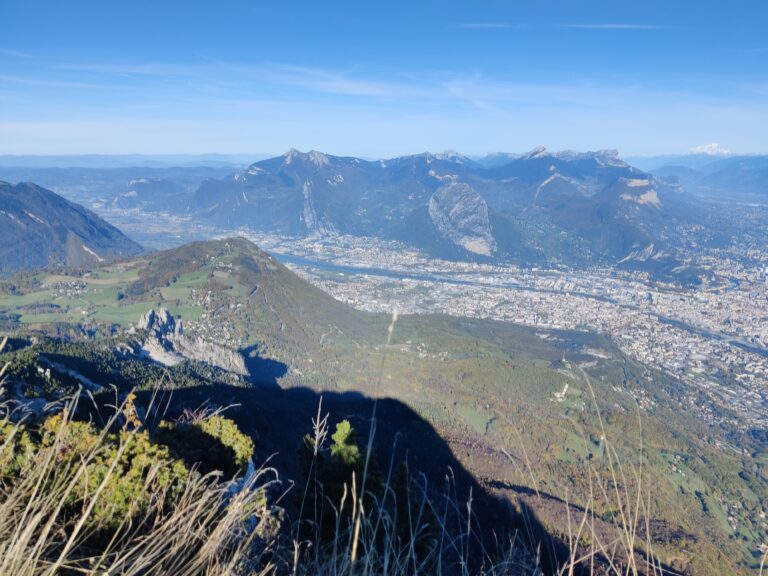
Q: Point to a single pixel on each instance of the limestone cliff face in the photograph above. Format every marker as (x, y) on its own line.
(168, 345)
(210, 353)
(461, 215)
(161, 323)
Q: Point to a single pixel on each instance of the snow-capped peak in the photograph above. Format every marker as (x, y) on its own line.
(712, 149)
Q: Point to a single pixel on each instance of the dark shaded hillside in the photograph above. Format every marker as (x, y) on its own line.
(278, 421)
(39, 229)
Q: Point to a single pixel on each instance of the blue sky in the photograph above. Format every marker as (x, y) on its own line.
(381, 79)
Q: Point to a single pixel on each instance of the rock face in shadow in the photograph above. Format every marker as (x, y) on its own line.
(211, 353)
(167, 344)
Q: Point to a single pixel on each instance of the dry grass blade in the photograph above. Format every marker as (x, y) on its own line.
(209, 529)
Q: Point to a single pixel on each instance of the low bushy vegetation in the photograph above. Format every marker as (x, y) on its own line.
(211, 444)
(126, 497)
(78, 500)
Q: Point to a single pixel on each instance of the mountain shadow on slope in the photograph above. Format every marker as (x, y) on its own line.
(278, 420)
(262, 371)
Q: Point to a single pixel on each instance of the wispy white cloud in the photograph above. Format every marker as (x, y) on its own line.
(211, 80)
(336, 109)
(46, 83)
(490, 26)
(15, 53)
(650, 124)
(122, 69)
(611, 26)
(229, 75)
(326, 81)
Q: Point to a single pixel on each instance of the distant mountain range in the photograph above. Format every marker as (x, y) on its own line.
(147, 188)
(575, 208)
(726, 178)
(39, 228)
(568, 208)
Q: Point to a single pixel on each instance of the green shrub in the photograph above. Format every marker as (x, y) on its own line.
(213, 444)
(344, 447)
(229, 434)
(16, 448)
(85, 456)
(85, 501)
(138, 471)
(329, 472)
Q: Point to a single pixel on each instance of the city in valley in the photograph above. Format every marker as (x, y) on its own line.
(714, 339)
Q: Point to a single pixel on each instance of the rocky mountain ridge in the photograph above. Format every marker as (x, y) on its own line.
(573, 208)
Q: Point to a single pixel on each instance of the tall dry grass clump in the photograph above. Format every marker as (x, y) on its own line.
(51, 508)
(208, 528)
